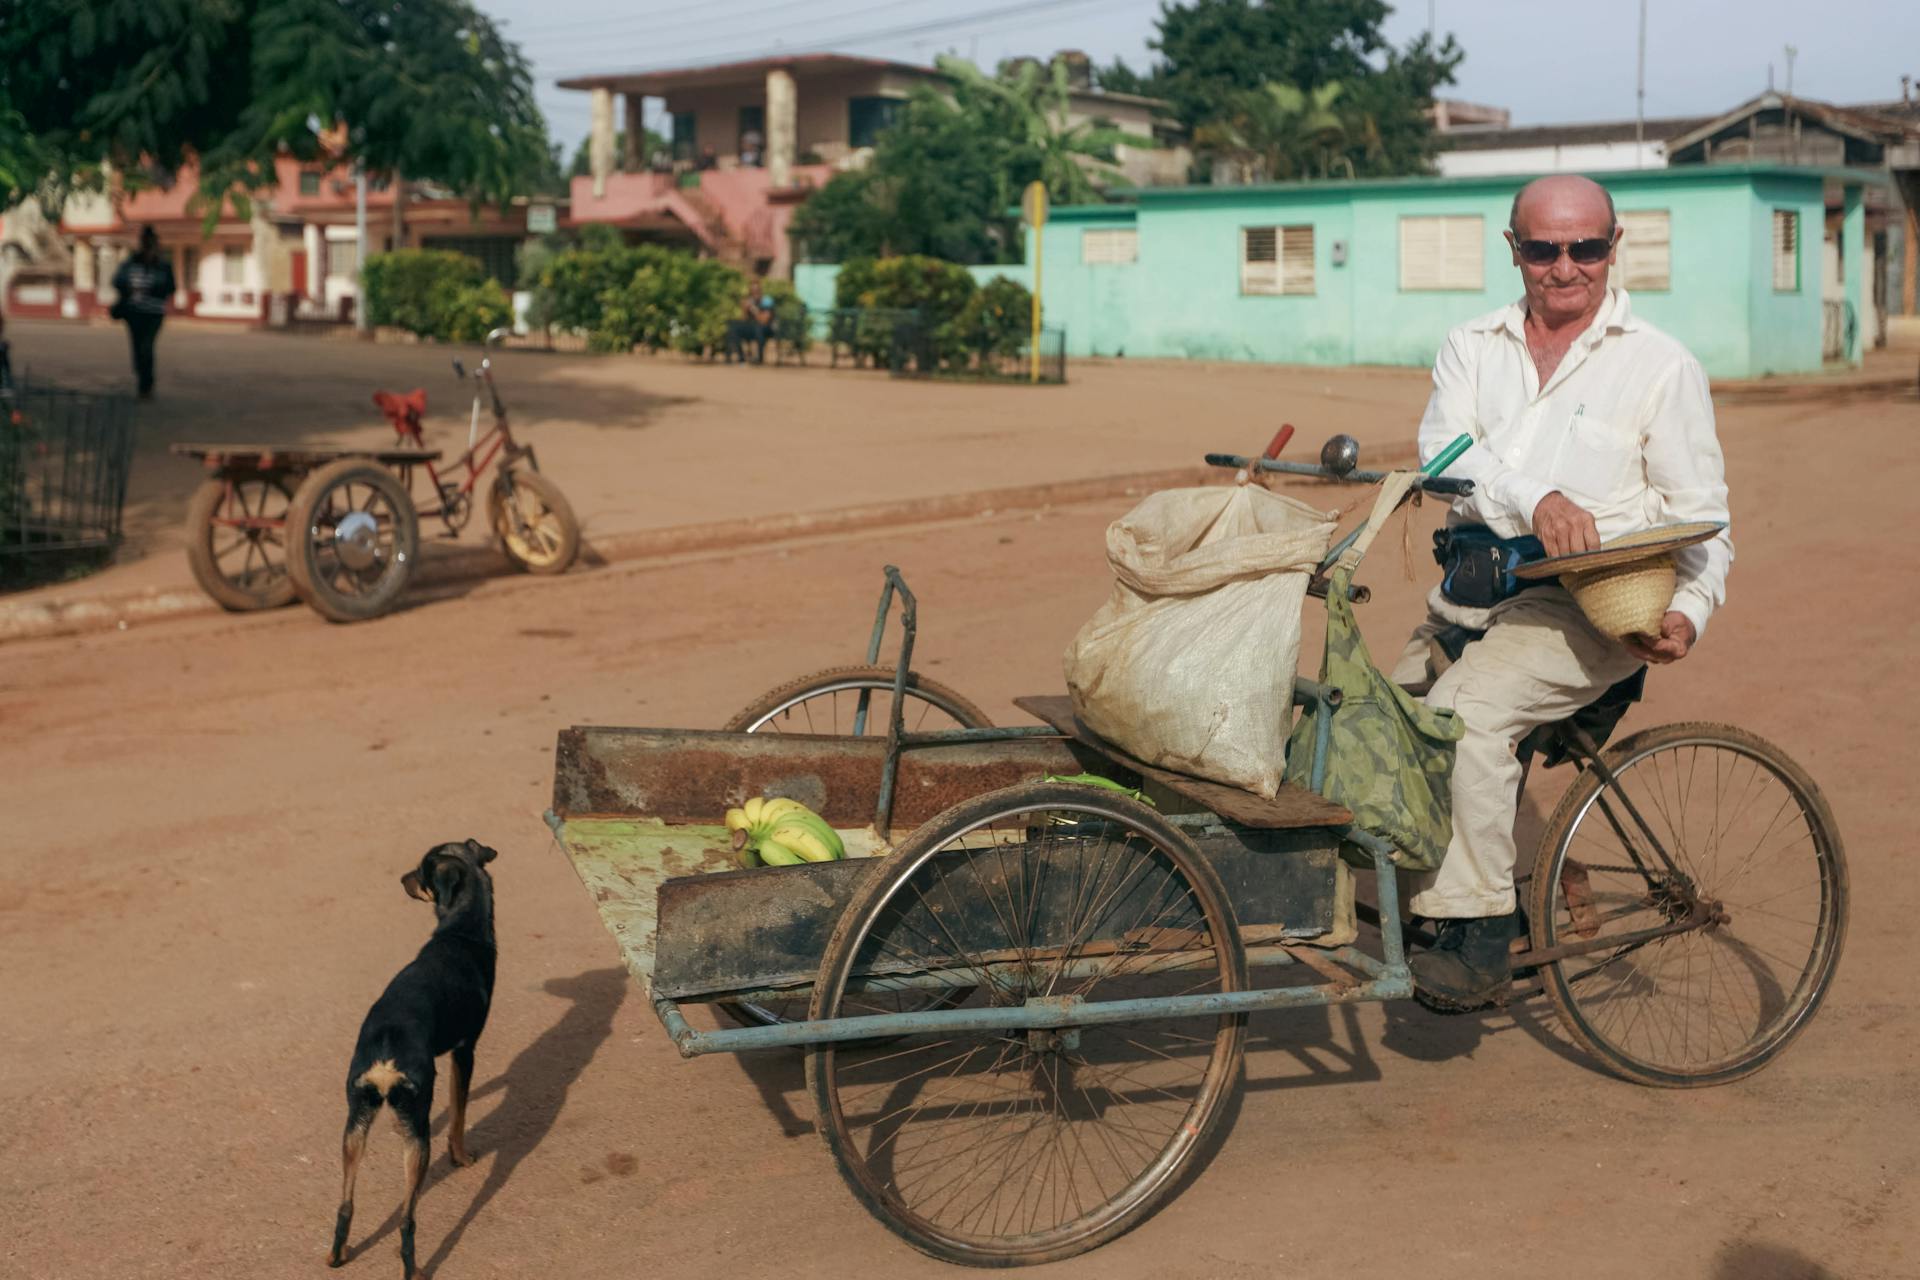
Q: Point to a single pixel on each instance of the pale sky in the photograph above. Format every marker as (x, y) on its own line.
(1547, 60)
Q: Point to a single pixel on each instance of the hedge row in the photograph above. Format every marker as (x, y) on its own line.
(436, 294)
(965, 320)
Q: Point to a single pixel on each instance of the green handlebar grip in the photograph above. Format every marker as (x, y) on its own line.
(1447, 456)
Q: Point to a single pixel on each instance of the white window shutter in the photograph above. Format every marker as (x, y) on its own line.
(1646, 252)
(1259, 260)
(1442, 253)
(1786, 250)
(1111, 247)
(1296, 260)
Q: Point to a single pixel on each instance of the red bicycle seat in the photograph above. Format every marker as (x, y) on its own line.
(403, 411)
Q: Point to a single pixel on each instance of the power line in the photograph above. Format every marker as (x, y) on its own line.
(1014, 14)
(619, 28)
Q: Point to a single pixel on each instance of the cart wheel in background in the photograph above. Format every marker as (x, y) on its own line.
(827, 701)
(1003, 1148)
(241, 568)
(533, 522)
(1748, 830)
(352, 539)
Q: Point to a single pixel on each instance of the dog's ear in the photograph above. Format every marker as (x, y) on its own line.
(411, 883)
(481, 854)
(446, 875)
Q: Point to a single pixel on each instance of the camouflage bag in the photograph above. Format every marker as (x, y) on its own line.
(1389, 756)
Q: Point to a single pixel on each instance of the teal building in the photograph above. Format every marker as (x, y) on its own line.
(1726, 258)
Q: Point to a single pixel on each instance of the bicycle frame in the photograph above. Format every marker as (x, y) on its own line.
(481, 452)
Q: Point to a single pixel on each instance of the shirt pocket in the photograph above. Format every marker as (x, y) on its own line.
(1597, 460)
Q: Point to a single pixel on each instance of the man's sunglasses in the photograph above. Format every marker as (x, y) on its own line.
(1544, 253)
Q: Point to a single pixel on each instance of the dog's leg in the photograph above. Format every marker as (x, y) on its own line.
(415, 1114)
(353, 1145)
(457, 1129)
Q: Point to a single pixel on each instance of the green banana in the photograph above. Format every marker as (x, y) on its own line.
(815, 826)
(737, 820)
(804, 841)
(776, 854)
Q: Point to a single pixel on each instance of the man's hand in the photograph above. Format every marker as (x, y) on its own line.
(1675, 639)
(1563, 527)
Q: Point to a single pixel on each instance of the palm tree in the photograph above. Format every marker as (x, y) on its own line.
(1280, 131)
(1038, 100)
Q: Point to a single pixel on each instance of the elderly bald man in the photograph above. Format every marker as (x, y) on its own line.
(1588, 423)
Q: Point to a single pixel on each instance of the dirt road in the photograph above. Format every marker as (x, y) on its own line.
(206, 822)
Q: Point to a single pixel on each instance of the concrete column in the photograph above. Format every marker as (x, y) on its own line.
(83, 278)
(1910, 261)
(600, 141)
(182, 287)
(783, 127)
(1858, 289)
(316, 251)
(633, 161)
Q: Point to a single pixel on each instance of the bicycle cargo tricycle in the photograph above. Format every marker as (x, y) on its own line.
(1023, 999)
(339, 528)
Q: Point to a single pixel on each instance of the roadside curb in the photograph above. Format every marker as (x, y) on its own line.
(46, 619)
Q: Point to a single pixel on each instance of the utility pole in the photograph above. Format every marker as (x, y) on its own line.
(1640, 95)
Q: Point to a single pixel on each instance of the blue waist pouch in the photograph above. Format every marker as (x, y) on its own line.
(1476, 565)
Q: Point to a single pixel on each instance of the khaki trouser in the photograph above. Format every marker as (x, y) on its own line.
(1539, 662)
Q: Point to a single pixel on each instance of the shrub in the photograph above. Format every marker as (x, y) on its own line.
(937, 290)
(434, 293)
(997, 320)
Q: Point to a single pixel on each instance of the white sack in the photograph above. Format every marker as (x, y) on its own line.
(1190, 663)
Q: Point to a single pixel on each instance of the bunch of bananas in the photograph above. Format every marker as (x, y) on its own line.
(782, 833)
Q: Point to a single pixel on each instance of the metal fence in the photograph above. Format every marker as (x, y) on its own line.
(921, 350)
(64, 459)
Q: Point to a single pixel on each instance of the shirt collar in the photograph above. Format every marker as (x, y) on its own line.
(1615, 316)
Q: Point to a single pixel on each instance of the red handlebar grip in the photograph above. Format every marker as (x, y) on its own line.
(1280, 438)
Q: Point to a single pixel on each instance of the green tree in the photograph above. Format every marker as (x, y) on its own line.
(1279, 132)
(944, 176)
(582, 162)
(1036, 99)
(1213, 53)
(429, 89)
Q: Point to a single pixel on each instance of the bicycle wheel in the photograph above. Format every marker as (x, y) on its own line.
(1752, 840)
(1003, 1148)
(236, 541)
(533, 522)
(828, 702)
(352, 540)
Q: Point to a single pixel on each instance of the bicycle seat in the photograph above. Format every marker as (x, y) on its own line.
(403, 411)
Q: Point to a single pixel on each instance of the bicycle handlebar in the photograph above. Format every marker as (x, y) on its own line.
(1446, 487)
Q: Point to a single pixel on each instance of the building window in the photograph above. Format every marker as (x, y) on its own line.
(343, 259)
(868, 118)
(1786, 251)
(309, 183)
(1276, 260)
(1443, 254)
(495, 254)
(1115, 247)
(233, 267)
(1646, 251)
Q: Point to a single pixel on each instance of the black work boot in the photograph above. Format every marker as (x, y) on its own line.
(1469, 965)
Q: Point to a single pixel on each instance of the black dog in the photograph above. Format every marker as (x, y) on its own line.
(438, 1004)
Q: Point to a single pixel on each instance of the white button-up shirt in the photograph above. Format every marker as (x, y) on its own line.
(1623, 428)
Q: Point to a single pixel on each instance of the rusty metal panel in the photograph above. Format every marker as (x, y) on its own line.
(694, 775)
(758, 930)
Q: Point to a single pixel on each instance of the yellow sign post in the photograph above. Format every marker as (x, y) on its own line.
(1033, 212)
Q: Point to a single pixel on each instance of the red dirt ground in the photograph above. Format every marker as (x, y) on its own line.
(206, 821)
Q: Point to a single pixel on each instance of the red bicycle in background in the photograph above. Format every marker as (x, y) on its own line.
(339, 528)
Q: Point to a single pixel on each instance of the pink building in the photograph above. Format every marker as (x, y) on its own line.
(749, 141)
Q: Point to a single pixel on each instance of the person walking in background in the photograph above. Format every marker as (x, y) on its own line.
(144, 282)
